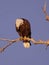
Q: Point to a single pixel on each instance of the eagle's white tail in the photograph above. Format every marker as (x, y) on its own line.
(26, 44)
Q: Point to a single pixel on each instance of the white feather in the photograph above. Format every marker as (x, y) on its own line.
(26, 44)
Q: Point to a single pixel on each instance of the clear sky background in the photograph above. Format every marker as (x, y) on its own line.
(16, 54)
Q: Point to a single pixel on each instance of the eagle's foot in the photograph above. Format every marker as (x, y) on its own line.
(25, 38)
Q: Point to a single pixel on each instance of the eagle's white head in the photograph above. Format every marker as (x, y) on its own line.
(19, 22)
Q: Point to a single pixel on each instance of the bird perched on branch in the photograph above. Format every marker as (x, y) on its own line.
(24, 30)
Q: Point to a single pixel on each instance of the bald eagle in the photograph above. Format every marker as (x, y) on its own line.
(23, 28)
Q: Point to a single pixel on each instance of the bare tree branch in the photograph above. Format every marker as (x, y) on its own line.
(44, 8)
(45, 12)
(10, 42)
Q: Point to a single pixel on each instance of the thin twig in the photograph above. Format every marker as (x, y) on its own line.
(44, 9)
(45, 12)
(4, 39)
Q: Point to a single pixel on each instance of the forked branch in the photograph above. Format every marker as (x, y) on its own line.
(10, 42)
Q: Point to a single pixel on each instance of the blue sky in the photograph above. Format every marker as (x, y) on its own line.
(16, 54)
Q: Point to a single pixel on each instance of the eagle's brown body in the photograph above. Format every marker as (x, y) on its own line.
(24, 29)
